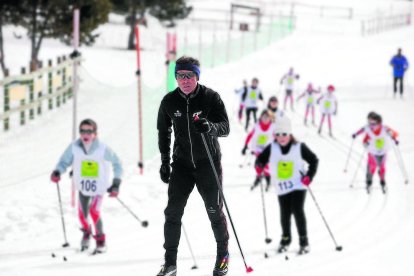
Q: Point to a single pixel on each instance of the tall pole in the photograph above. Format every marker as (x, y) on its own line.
(137, 46)
(74, 55)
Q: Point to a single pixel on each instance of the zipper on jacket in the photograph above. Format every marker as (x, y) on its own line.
(189, 135)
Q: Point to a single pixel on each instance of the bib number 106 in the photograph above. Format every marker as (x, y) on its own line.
(88, 185)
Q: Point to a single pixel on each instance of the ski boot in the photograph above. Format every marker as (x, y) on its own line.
(369, 186)
(284, 244)
(168, 270)
(383, 186)
(303, 245)
(256, 183)
(222, 265)
(100, 244)
(85, 239)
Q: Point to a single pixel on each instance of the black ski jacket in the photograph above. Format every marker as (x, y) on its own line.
(177, 110)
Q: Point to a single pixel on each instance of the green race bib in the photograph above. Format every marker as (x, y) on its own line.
(290, 80)
(285, 170)
(327, 104)
(253, 95)
(310, 100)
(261, 140)
(89, 169)
(379, 143)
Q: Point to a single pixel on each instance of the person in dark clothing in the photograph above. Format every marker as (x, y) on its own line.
(250, 98)
(399, 64)
(190, 164)
(286, 158)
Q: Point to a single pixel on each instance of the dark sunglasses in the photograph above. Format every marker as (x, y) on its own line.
(281, 134)
(373, 124)
(86, 131)
(188, 75)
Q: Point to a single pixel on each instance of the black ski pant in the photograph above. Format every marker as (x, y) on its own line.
(181, 184)
(293, 203)
(401, 80)
(248, 111)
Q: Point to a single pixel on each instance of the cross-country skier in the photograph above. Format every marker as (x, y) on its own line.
(310, 102)
(328, 106)
(240, 92)
(399, 64)
(377, 140)
(90, 159)
(191, 166)
(289, 80)
(257, 140)
(250, 98)
(287, 158)
(273, 109)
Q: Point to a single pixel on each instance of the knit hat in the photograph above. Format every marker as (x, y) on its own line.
(283, 125)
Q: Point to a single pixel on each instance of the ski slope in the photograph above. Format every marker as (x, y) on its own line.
(375, 230)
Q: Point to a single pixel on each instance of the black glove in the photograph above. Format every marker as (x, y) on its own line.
(55, 176)
(165, 172)
(202, 125)
(244, 150)
(396, 142)
(114, 189)
(354, 136)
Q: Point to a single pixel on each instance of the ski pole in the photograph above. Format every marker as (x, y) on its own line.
(189, 246)
(401, 163)
(66, 244)
(337, 247)
(144, 223)
(248, 268)
(349, 156)
(356, 171)
(267, 239)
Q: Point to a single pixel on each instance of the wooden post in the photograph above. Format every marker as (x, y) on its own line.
(58, 76)
(65, 94)
(23, 102)
(31, 90)
(6, 121)
(50, 83)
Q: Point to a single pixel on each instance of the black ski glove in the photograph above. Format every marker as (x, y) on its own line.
(114, 189)
(165, 172)
(202, 125)
(55, 176)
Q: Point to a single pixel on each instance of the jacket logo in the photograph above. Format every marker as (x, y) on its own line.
(198, 113)
(177, 113)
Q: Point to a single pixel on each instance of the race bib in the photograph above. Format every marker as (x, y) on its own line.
(327, 104)
(285, 170)
(262, 140)
(90, 169)
(290, 80)
(285, 185)
(380, 143)
(310, 100)
(253, 95)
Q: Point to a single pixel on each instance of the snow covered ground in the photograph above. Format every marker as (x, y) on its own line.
(375, 230)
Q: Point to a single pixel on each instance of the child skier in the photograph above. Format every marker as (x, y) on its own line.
(289, 80)
(286, 158)
(90, 159)
(240, 92)
(310, 102)
(377, 141)
(328, 106)
(250, 98)
(273, 109)
(257, 140)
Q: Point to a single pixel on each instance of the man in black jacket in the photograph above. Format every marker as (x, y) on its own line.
(190, 164)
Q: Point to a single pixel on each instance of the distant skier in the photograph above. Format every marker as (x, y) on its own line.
(257, 140)
(289, 80)
(328, 106)
(310, 102)
(377, 141)
(240, 92)
(399, 64)
(250, 98)
(287, 158)
(90, 159)
(273, 109)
